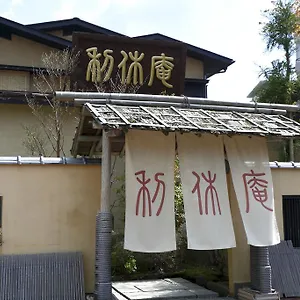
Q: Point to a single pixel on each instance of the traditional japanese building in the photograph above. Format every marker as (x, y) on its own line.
(21, 49)
(62, 196)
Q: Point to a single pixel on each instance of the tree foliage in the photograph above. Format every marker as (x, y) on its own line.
(279, 30)
(281, 82)
(276, 88)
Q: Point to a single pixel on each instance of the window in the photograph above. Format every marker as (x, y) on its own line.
(291, 218)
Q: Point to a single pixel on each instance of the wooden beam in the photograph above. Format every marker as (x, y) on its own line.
(88, 138)
(118, 139)
(92, 150)
(78, 132)
(112, 133)
(96, 125)
(114, 141)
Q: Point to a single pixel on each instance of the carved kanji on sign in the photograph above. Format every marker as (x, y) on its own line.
(210, 193)
(258, 186)
(135, 71)
(144, 193)
(162, 66)
(94, 67)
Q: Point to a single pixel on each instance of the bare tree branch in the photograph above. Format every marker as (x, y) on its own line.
(35, 141)
(49, 112)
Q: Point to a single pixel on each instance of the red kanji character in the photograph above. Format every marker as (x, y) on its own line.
(145, 192)
(197, 189)
(213, 192)
(259, 189)
(159, 183)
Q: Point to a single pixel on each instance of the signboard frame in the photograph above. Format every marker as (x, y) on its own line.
(174, 62)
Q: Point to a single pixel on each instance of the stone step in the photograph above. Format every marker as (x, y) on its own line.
(169, 288)
(216, 298)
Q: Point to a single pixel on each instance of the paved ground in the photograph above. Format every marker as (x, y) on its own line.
(175, 288)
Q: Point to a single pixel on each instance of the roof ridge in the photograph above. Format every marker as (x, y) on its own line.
(35, 35)
(38, 23)
(69, 22)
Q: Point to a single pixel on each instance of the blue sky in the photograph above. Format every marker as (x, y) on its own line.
(227, 27)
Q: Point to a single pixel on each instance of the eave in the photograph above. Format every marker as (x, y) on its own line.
(8, 27)
(119, 113)
(213, 63)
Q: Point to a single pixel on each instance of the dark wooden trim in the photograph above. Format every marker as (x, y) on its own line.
(19, 97)
(196, 80)
(30, 70)
(12, 101)
(194, 87)
(22, 101)
(19, 68)
(5, 33)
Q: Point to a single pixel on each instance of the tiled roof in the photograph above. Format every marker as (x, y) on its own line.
(196, 120)
(229, 121)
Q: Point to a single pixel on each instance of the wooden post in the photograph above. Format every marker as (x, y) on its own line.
(291, 144)
(106, 172)
(103, 283)
(291, 150)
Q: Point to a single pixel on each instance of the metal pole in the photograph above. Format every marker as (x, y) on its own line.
(175, 99)
(103, 284)
(168, 104)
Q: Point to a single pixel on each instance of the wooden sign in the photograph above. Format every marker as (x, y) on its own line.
(115, 64)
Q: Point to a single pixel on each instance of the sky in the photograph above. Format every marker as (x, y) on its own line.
(227, 27)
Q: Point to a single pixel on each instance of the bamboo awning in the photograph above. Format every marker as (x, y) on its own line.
(120, 118)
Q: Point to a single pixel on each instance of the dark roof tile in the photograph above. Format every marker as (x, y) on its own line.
(8, 26)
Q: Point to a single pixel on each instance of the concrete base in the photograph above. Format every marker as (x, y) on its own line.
(219, 287)
(240, 285)
(249, 294)
(175, 288)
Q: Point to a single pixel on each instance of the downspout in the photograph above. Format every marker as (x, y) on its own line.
(291, 144)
